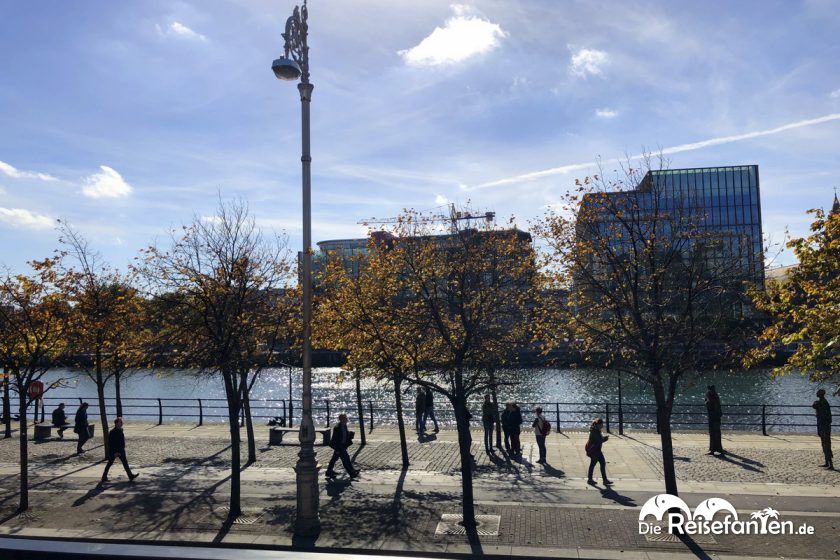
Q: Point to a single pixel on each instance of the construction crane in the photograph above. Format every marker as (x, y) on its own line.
(452, 218)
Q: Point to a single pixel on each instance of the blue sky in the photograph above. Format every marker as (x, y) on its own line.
(127, 118)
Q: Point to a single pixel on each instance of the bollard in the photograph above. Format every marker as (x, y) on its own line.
(764, 419)
(370, 405)
(607, 406)
(328, 413)
(160, 412)
(200, 413)
(557, 413)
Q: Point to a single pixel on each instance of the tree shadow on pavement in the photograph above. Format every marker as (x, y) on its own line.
(746, 464)
(693, 546)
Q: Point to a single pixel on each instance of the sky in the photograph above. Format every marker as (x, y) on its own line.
(126, 119)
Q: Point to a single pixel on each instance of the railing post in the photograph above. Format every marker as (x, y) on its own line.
(557, 415)
(160, 412)
(291, 412)
(200, 413)
(607, 405)
(285, 418)
(370, 406)
(42, 409)
(620, 420)
(328, 413)
(764, 419)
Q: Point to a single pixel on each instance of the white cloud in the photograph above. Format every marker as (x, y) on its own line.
(106, 184)
(563, 169)
(606, 113)
(178, 29)
(461, 37)
(440, 199)
(22, 218)
(15, 173)
(587, 61)
(835, 94)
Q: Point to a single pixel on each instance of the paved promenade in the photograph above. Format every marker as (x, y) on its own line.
(545, 511)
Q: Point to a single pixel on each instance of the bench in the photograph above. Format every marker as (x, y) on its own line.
(276, 433)
(43, 431)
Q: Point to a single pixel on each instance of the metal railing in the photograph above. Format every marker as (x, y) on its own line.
(763, 417)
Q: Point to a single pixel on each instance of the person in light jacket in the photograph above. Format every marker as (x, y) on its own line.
(541, 430)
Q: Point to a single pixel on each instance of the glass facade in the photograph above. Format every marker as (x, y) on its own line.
(723, 201)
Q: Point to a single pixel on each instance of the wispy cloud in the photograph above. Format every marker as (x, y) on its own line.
(461, 37)
(587, 61)
(606, 113)
(15, 173)
(106, 184)
(22, 218)
(835, 94)
(178, 29)
(563, 169)
(440, 199)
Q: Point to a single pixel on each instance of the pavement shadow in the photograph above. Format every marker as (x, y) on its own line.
(426, 438)
(336, 486)
(743, 459)
(747, 465)
(610, 494)
(92, 493)
(551, 471)
(693, 546)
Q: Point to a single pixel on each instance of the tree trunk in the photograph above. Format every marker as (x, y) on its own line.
(233, 423)
(359, 407)
(7, 404)
(663, 421)
(118, 394)
(464, 446)
(24, 452)
(400, 422)
(100, 394)
(249, 424)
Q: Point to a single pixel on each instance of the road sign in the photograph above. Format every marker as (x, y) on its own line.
(36, 389)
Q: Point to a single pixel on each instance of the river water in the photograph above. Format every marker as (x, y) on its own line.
(581, 394)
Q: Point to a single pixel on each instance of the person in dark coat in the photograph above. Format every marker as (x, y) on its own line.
(339, 442)
(489, 415)
(512, 427)
(419, 409)
(429, 409)
(59, 420)
(81, 427)
(824, 427)
(715, 412)
(594, 450)
(116, 449)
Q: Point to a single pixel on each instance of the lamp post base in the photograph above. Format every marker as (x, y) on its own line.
(307, 522)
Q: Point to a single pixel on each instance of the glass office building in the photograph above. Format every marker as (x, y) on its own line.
(720, 205)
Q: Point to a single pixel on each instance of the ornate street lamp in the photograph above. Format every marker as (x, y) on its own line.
(292, 65)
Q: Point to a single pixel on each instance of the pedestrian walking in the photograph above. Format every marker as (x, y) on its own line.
(116, 450)
(81, 427)
(715, 413)
(542, 428)
(339, 442)
(489, 414)
(429, 409)
(824, 427)
(59, 420)
(419, 409)
(594, 450)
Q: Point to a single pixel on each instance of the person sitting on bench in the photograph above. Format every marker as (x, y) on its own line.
(59, 420)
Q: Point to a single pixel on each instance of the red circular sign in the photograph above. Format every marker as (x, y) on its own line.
(36, 389)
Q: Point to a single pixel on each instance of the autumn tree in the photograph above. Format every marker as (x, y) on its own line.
(440, 311)
(219, 292)
(105, 323)
(34, 320)
(804, 307)
(652, 292)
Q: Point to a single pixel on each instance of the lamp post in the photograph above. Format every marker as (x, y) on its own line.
(292, 65)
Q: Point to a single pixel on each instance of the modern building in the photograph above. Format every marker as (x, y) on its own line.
(720, 205)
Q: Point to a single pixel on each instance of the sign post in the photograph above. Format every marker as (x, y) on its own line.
(36, 392)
